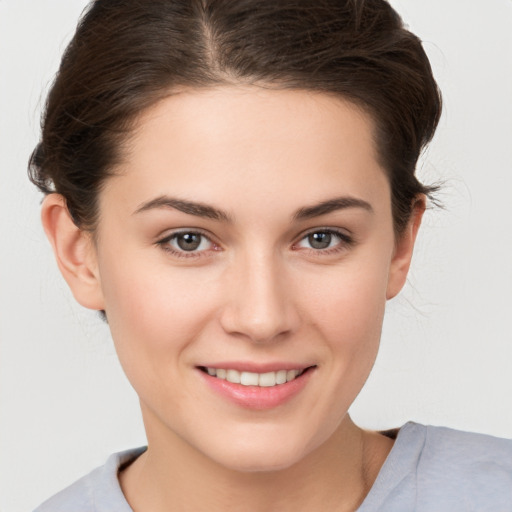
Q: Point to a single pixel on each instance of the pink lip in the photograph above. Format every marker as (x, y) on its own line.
(256, 397)
(251, 366)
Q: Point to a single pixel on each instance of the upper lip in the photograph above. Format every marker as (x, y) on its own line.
(251, 366)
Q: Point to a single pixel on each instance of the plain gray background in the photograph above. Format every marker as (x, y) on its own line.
(447, 343)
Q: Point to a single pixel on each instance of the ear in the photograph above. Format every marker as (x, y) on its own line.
(404, 247)
(74, 251)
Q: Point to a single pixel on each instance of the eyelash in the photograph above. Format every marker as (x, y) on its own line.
(345, 241)
(164, 243)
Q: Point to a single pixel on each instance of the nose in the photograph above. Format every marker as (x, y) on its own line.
(259, 303)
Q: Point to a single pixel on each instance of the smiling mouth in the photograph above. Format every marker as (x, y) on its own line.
(267, 380)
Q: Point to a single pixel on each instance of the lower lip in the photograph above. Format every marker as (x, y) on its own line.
(256, 397)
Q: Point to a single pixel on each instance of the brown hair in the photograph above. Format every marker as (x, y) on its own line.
(128, 54)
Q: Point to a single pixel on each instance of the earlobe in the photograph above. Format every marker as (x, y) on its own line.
(74, 251)
(402, 255)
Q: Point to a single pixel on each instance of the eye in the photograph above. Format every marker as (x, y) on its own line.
(324, 239)
(191, 242)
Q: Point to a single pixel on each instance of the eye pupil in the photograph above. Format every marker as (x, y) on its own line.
(320, 240)
(188, 241)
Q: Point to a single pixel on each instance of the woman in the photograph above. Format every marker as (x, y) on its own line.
(232, 185)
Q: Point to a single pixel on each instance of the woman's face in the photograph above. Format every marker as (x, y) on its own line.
(248, 235)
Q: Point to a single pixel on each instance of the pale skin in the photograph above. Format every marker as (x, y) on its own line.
(257, 176)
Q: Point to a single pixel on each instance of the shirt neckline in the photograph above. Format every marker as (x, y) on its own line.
(409, 442)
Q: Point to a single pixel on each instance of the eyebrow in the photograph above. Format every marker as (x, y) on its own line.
(206, 211)
(331, 205)
(189, 207)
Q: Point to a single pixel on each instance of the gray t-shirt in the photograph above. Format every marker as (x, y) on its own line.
(429, 469)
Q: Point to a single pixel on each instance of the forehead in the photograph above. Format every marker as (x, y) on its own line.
(251, 113)
(214, 142)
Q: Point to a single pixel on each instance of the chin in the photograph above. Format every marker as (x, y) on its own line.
(266, 454)
(260, 462)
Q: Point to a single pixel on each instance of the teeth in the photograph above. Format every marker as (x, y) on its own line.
(249, 379)
(267, 380)
(291, 374)
(281, 377)
(233, 376)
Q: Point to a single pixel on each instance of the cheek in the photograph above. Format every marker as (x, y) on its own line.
(352, 324)
(347, 304)
(347, 315)
(154, 312)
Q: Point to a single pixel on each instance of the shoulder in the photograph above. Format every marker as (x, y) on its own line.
(99, 491)
(480, 465)
(441, 469)
(473, 470)
(467, 447)
(465, 454)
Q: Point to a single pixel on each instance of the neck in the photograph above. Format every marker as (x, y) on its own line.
(172, 475)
